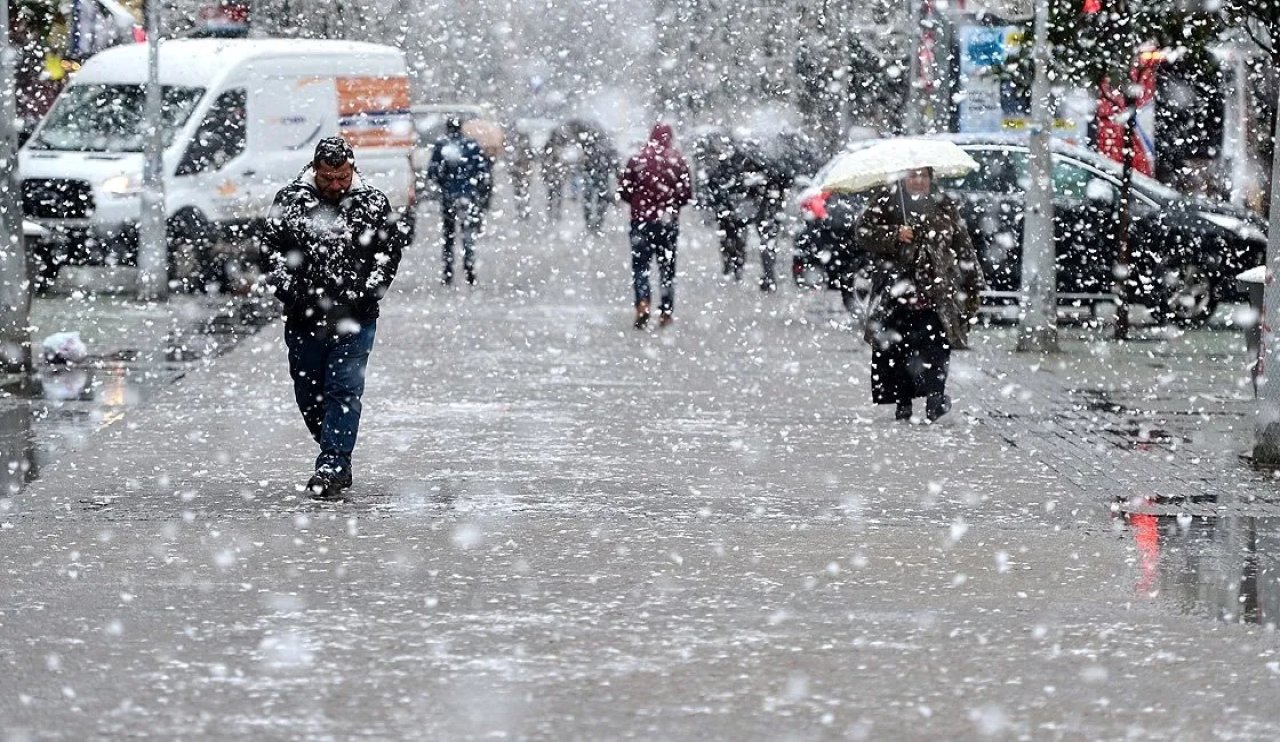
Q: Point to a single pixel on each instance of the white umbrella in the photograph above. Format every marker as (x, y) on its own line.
(888, 161)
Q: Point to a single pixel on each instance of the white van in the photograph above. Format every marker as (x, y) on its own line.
(241, 118)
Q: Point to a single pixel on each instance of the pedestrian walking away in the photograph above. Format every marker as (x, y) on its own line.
(657, 185)
(925, 291)
(724, 194)
(767, 187)
(520, 160)
(333, 245)
(464, 174)
(599, 165)
(555, 170)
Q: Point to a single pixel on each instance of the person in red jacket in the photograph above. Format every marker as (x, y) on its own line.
(657, 185)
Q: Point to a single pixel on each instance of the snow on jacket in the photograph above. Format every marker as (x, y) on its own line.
(332, 261)
(461, 168)
(656, 180)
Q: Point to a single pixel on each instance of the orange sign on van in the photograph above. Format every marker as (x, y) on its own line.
(374, 111)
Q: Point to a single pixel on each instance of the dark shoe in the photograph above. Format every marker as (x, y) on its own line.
(329, 481)
(903, 412)
(321, 487)
(768, 285)
(642, 315)
(937, 406)
(447, 279)
(471, 279)
(665, 319)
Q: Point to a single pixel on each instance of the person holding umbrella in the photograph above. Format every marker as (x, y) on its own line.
(926, 284)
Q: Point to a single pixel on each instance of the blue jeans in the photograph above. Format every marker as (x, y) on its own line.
(328, 381)
(655, 241)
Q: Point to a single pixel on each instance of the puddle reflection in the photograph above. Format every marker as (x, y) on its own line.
(1226, 566)
(56, 409)
(60, 409)
(17, 446)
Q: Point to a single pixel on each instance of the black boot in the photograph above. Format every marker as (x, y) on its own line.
(937, 406)
(321, 487)
(328, 482)
(903, 412)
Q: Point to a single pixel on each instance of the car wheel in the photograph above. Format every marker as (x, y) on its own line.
(857, 295)
(1188, 298)
(191, 259)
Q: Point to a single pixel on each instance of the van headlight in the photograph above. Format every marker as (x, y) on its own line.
(122, 185)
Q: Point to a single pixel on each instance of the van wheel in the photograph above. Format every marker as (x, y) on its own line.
(44, 266)
(191, 263)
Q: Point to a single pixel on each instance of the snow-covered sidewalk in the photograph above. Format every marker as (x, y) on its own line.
(564, 528)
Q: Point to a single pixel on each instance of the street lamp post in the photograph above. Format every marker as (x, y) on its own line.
(1039, 331)
(1266, 449)
(153, 247)
(15, 282)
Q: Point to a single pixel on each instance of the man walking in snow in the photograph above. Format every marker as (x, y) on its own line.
(465, 176)
(333, 245)
(657, 185)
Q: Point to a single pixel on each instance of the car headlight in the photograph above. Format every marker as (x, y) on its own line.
(122, 185)
(1235, 225)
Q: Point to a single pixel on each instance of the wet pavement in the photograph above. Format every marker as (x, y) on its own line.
(563, 528)
(134, 349)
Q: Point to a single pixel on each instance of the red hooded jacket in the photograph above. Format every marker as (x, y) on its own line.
(656, 180)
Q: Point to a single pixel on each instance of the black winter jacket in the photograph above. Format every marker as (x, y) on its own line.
(329, 262)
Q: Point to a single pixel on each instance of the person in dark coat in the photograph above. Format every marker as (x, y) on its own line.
(657, 185)
(726, 196)
(520, 160)
(555, 169)
(332, 245)
(926, 290)
(599, 165)
(465, 176)
(766, 186)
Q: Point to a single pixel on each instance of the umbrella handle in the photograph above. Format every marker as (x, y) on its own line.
(902, 201)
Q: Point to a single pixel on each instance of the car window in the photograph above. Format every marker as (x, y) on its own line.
(999, 171)
(1074, 182)
(221, 135)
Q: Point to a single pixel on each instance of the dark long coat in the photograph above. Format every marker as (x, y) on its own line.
(940, 266)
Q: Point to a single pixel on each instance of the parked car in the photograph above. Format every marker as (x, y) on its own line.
(240, 118)
(1186, 251)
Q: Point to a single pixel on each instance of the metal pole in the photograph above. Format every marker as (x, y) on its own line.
(15, 282)
(1039, 331)
(1124, 261)
(153, 247)
(1266, 449)
(914, 123)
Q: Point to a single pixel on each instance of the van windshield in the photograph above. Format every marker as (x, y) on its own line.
(109, 118)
